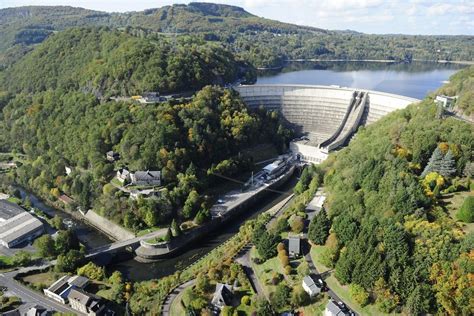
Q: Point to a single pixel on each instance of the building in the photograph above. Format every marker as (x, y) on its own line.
(123, 175)
(445, 101)
(37, 311)
(60, 289)
(112, 156)
(150, 97)
(222, 296)
(310, 286)
(336, 309)
(17, 225)
(294, 246)
(65, 199)
(146, 178)
(68, 170)
(316, 204)
(85, 303)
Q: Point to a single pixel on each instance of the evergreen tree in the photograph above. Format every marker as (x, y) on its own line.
(168, 235)
(447, 167)
(175, 228)
(319, 228)
(434, 164)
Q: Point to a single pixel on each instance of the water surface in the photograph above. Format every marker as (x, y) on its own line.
(414, 80)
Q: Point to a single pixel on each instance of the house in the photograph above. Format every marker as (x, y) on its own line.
(146, 178)
(222, 296)
(112, 156)
(65, 199)
(60, 289)
(68, 170)
(445, 101)
(294, 246)
(336, 309)
(37, 311)
(85, 303)
(310, 286)
(123, 175)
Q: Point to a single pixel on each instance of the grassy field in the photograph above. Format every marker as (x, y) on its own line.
(453, 203)
(315, 255)
(315, 308)
(40, 280)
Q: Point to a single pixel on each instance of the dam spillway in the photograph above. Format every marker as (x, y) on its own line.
(326, 115)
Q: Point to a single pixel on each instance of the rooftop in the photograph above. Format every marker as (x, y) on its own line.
(9, 210)
(18, 226)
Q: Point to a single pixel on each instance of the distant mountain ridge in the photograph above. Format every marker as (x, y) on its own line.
(261, 41)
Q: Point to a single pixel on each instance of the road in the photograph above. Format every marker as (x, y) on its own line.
(166, 307)
(29, 296)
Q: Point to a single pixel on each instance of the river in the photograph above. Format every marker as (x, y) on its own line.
(414, 80)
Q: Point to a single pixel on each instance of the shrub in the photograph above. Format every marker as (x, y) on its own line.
(466, 212)
(280, 247)
(297, 224)
(358, 293)
(245, 300)
(288, 270)
(285, 261)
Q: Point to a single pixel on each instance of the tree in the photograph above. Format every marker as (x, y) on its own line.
(65, 241)
(57, 222)
(266, 245)
(303, 269)
(466, 212)
(168, 235)
(92, 271)
(434, 163)
(358, 293)
(297, 224)
(318, 230)
(245, 300)
(281, 296)
(21, 258)
(175, 228)
(191, 205)
(447, 167)
(201, 217)
(45, 246)
(116, 278)
(299, 297)
(68, 262)
(420, 300)
(203, 284)
(263, 308)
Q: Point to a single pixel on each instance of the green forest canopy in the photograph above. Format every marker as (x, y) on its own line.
(394, 238)
(263, 42)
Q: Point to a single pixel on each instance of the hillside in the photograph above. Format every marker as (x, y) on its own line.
(263, 42)
(461, 84)
(111, 62)
(391, 233)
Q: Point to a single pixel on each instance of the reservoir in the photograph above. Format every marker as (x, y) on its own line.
(414, 80)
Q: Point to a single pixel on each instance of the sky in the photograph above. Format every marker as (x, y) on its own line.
(368, 16)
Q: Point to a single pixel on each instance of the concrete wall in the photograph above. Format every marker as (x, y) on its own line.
(108, 227)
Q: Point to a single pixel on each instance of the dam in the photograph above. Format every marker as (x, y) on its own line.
(325, 117)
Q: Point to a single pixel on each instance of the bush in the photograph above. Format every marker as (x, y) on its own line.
(358, 293)
(466, 212)
(245, 300)
(288, 270)
(297, 224)
(280, 247)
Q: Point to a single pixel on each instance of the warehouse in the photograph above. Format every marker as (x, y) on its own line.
(17, 225)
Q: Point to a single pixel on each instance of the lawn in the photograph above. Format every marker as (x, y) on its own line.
(264, 272)
(42, 280)
(453, 203)
(315, 308)
(149, 230)
(315, 255)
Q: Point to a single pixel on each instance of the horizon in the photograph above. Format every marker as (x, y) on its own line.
(394, 17)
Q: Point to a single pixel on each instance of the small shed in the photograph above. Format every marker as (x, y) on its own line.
(294, 246)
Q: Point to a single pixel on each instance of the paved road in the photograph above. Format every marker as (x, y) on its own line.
(245, 261)
(29, 296)
(165, 309)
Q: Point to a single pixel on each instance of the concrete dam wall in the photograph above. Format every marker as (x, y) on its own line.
(327, 115)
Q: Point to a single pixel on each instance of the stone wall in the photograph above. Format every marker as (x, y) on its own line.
(108, 227)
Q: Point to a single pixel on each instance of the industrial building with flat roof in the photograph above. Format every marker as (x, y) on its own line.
(17, 225)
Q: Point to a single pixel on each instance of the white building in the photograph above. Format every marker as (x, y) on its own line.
(445, 101)
(334, 309)
(60, 289)
(310, 286)
(17, 225)
(123, 175)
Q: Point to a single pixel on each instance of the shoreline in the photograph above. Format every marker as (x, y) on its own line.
(384, 61)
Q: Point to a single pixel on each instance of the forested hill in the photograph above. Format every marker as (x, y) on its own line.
(112, 62)
(395, 234)
(261, 41)
(461, 85)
